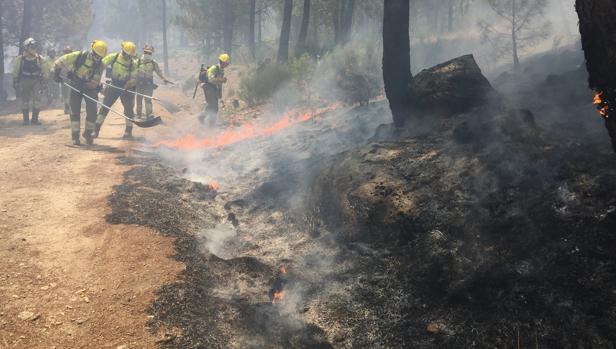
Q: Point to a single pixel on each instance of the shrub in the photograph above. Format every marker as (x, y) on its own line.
(261, 84)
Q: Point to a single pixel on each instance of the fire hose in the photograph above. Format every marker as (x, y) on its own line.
(144, 124)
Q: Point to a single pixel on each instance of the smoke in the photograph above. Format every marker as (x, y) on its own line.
(218, 241)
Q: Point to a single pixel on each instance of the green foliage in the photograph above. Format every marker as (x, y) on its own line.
(261, 84)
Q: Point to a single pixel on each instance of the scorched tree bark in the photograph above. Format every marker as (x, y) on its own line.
(285, 31)
(397, 59)
(598, 30)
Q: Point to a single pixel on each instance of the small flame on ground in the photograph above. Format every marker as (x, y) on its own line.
(601, 105)
(214, 186)
(277, 296)
(248, 131)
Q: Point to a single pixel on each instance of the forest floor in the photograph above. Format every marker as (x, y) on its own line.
(69, 279)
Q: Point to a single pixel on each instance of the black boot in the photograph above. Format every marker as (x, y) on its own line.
(35, 115)
(87, 134)
(26, 116)
(75, 136)
(128, 133)
(97, 130)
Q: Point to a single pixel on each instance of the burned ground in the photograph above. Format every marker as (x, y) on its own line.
(473, 231)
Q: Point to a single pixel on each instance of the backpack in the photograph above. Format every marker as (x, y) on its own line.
(109, 71)
(81, 60)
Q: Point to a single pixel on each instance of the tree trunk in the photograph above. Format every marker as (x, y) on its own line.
(347, 20)
(165, 48)
(228, 26)
(251, 29)
(260, 28)
(303, 32)
(3, 95)
(598, 31)
(283, 47)
(336, 19)
(450, 17)
(26, 24)
(396, 59)
(514, 38)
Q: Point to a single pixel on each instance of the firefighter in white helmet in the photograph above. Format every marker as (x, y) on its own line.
(146, 67)
(29, 74)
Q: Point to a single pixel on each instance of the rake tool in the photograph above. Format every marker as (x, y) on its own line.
(141, 123)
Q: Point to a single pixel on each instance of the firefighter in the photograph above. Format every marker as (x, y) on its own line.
(53, 89)
(84, 71)
(66, 92)
(213, 78)
(146, 67)
(121, 74)
(29, 73)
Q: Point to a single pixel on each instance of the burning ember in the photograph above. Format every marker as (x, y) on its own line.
(276, 292)
(214, 186)
(245, 132)
(602, 105)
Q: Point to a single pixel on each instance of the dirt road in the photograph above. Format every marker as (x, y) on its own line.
(68, 279)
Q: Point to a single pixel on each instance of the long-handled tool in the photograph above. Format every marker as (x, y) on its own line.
(172, 108)
(141, 123)
(198, 82)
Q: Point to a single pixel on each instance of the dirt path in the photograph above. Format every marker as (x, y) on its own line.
(68, 279)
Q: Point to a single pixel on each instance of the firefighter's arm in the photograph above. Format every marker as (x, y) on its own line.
(16, 68)
(160, 73)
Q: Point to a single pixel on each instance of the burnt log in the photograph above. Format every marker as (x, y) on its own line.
(453, 87)
(598, 31)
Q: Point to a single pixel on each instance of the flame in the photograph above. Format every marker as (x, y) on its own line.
(277, 296)
(601, 104)
(214, 186)
(245, 132)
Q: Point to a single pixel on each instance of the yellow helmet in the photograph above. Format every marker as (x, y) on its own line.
(99, 47)
(129, 48)
(224, 58)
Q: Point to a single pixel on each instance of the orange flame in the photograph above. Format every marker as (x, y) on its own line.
(601, 105)
(277, 296)
(248, 131)
(214, 185)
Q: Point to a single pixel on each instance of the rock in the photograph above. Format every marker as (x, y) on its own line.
(25, 315)
(433, 328)
(122, 346)
(452, 87)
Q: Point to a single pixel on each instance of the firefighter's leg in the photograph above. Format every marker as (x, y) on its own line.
(66, 99)
(128, 101)
(36, 102)
(75, 107)
(139, 103)
(211, 110)
(148, 91)
(111, 96)
(26, 94)
(88, 133)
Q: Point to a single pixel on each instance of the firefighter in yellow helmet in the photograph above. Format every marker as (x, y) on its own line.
(146, 67)
(121, 73)
(29, 73)
(213, 78)
(83, 70)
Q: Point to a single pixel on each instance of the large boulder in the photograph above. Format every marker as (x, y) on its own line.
(452, 87)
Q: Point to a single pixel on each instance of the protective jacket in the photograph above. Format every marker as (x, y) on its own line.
(121, 71)
(28, 67)
(83, 71)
